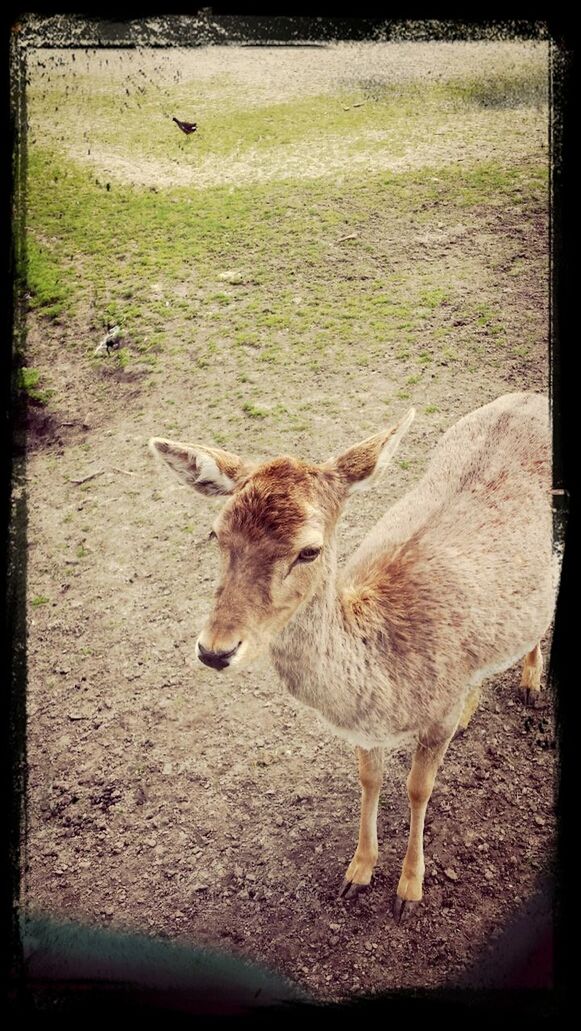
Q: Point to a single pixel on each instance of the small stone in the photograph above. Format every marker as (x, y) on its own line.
(302, 793)
(539, 820)
(234, 276)
(451, 874)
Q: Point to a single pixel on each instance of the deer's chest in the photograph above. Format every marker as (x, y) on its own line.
(351, 695)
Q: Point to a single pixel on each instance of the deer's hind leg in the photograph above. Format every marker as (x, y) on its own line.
(361, 867)
(420, 783)
(532, 671)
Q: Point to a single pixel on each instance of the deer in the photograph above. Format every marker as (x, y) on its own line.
(453, 585)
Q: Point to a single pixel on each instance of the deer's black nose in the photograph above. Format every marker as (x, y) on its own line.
(217, 660)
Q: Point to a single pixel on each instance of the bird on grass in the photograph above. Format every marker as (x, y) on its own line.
(187, 127)
(110, 342)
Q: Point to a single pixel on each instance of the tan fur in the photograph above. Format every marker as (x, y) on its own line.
(470, 707)
(453, 584)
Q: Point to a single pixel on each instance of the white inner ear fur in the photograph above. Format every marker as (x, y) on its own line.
(387, 452)
(192, 465)
(209, 470)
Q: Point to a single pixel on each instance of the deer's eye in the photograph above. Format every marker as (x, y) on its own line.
(308, 554)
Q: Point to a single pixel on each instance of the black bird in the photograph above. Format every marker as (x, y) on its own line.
(110, 342)
(186, 127)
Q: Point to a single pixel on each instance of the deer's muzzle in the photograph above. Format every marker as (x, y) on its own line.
(219, 659)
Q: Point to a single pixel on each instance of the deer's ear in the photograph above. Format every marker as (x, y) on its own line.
(362, 465)
(209, 470)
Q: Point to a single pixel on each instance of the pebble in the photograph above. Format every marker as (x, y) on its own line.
(451, 874)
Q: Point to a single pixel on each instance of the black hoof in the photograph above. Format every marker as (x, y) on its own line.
(402, 908)
(349, 890)
(532, 699)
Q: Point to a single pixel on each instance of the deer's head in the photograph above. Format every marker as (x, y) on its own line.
(272, 533)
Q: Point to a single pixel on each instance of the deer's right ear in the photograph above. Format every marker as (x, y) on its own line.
(208, 470)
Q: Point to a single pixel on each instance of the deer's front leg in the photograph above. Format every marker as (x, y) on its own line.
(427, 758)
(361, 866)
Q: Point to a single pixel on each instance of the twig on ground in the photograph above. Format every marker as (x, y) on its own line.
(91, 476)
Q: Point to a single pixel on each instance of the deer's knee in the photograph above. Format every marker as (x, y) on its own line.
(370, 769)
(420, 784)
(370, 780)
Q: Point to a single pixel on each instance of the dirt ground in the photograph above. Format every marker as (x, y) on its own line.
(209, 809)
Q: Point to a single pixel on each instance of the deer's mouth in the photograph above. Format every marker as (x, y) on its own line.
(217, 658)
(223, 655)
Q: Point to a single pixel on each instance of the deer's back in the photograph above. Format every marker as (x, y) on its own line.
(458, 573)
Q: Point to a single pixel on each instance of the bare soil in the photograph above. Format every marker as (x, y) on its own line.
(207, 808)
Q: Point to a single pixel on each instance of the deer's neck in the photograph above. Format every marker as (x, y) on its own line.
(315, 655)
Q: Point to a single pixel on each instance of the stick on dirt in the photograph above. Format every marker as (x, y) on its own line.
(91, 476)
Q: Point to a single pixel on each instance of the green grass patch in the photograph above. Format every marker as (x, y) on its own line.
(247, 280)
(253, 411)
(513, 88)
(46, 279)
(28, 381)
(146, 236)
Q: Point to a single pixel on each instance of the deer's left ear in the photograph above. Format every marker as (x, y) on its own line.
(362, 465)
(209, 470)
